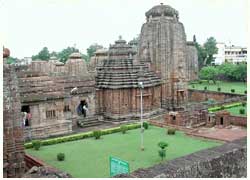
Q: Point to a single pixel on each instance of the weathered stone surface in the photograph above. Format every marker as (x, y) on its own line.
(45, 172)
(118, 95)
(227, 160)
(163, 48)
(192, 61)
(13, 150)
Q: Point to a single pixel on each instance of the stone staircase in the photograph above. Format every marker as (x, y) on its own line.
(89, 121)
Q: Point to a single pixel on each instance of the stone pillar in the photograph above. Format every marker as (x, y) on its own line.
(13, 140)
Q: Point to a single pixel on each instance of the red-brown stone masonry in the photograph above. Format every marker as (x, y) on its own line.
(238, 120)
(13, 149)
(198, 95)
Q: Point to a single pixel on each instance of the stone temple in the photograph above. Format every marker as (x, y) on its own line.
(164, 49)
(162, 59)
(51, 91)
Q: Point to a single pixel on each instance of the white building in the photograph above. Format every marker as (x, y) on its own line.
(233, 54)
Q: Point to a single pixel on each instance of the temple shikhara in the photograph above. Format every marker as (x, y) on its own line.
(107, 87)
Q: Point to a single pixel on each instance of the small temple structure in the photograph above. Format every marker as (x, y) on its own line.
(118, 93)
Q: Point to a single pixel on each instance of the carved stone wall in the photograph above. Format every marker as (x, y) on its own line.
(192, 62)
(163, 48)
(118, 93)
(13, 150)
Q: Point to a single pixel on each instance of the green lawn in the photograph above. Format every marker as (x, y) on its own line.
(239, 87)
(90, 157)
(235, 110)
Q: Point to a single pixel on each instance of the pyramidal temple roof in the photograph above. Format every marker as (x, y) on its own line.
(119, 70)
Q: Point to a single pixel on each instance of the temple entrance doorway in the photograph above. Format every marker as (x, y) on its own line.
(25, 108)
(221, 121)
(26, 115)
(83, 107)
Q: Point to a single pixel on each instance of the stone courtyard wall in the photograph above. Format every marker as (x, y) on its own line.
(200, 95)
(227, 160)
(238, 120)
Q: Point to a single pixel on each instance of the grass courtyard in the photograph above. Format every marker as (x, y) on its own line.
(239, 87)
(90, 158)
(235, 110)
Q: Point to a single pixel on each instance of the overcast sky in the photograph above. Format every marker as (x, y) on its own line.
(31, 25)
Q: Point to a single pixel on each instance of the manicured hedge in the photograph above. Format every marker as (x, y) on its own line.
(79, 136)
(218, 108)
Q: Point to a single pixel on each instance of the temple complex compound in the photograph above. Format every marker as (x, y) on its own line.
(51, 92)
(161, 59)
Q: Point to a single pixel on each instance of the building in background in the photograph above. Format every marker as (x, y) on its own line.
(231, 53)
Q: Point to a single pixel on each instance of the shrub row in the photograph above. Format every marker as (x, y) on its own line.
(218, 108)
(80, 136)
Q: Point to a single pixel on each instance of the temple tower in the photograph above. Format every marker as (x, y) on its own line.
(162, 47)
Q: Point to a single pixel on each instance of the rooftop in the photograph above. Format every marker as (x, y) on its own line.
(160, 10)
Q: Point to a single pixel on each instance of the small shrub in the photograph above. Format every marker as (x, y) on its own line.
(97, 134)
(232, 90)
(242, 111)
(171, 131)
(200, 82)
(219, 89)
(244, 104)
(205, 88)
(123, 129)
(145, 125)
(245, 91)
(193, 86)
(162, 153)
(60, 156)
(36, 144)
(162, 145)
(222, 107)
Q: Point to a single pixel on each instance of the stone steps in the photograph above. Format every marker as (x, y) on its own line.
(89, 121)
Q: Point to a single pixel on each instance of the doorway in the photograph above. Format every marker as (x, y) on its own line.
(221, 121)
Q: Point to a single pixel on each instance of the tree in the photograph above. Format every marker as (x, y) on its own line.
(201, 54)
(42, 55)
(210, 49)
(162, 151)
(11, 60)
(240, 72)
(206, 52)
(209, 73)
(53, 53)
(92, 49)
(225, 71)
(63, 55)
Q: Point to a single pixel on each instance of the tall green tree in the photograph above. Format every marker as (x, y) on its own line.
(210, 50)
(42, 55)
(206, 51)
